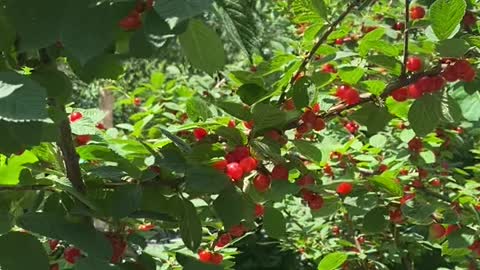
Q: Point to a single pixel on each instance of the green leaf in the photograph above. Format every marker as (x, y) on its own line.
(21, 99)
(250, 93)
(121, 201)
(106, 66)
(6, 221)
(18, 136)
(386, 181)
(232, 135)
(425, 114)
(57, 84)
(190, 226)
(203, 47)
(12, 252)
(373, 117)
(305, 11)
(301, 92)
(82, 235)
(7, 30)
(375, 87)
(375, 220)
(445, 16)
(94, 264)
(309, 150)
(451, 111)
(205, 179)
(36, 22)
(428, 157)
(232, 207)
(266, 116)
(10, 172)
(101, 26)
(378, 141)
(268, 150)
(197, 109)
(235, 109)
(419, 211)
(181, 9)
(351, 75)
(332, 261)
(468, 104)
(462, 238)
(320, 7)
(390, 63)
(452, 48)
(274, 223)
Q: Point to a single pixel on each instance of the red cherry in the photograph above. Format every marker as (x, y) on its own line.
(223, 240)
(200, 133)
(328, 68)
(436, 182)
(204, 256)
(399, 26)
(422, 173)
(289, 105)
(319, 124)
(437, 83)
(335, 230)
(414, 64)
(146, 227)
(316, 108)
(417, 183)
(248, 125)
(220, 165)
(131, 23)
(303, 128)
(54, 267)
(309, 117)
(248, 164)
(137, 101)
(328, 170)
(75, 116)
(100, 126)
(216, 259)
(253, 69)
(237, 230)
(425, 84)
(259, 210)
(306, 180)
(72, 254)
(241, 152)
(450, 229)
(261, 182)
(469, 76)
(232, 124)
(450, 74)
(361, 240)
(348, 95)
(119, 245)
(437, 230)
(406, 198)
(307, 195)
(400, 95)
(279, 172)
(83, 139)
(235, 171)
(339, 41)
(469, 19)
(403, 172)
(53, 244)
(396, 216)
(382, 168)
(344, 189)
(417, 13)
(352, 127)
(415, 145)
(316, 202)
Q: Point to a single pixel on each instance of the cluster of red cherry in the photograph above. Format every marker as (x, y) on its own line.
(133, 21)
(454, 71)
(206, 256)
(237, 163)
(82, 139)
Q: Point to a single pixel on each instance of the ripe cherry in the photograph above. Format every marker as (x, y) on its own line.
(335, 230)
(83, 139)
(100, 126)
(339, 41)
(220, 165)
(352, 127)
(348, 95)
(306, 180)
(307, 195)
(200, 133)
(53, 244)
(328, 170)
(223, 240)
(316, 108)
(396, 216)
(216, 259)
(407, 197)
(289, 105)
(344, 189)
(450, 74)
(400, 94)
(75, 116)
(319, 124)
(382, 168)
(399, 26)
(414, 64)
(232, 124)
(132, 22)
(235, 171)
(54, 267)
(237, 230)
(119, 245)
(414, 91)
(279, 172)
(146, 227)
(204, 256)
(417, 13)
(469, 19)
(248, 125)
(259, 210)
(248, 164)
(261, 182)
(316, 202)
(240, 153)
(137, 101)
(437, 230)
(361, 240)
(328, 68)
(417, 183)
(72, 254)
(451, 229)
(309, 117)
(415, 145)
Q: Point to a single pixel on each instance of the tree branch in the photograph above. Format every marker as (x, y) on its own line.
(70, 156)
(406, 32)
(311, 54)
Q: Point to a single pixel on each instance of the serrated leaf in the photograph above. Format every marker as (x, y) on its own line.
(375, 87)
(202, 47)
(452, 48)
(205, 179)
(468, 104)
(321, 8)
(386, 181)
(107, 66)
(274, 223)
(12, 252)
(425, 114)
(378, 141)
(373, 117)
(351, 75)
(332, 261)
(56, 83)
(181, 9)
(388, 62)
(445, 16)
(232, 135)
(250, 93)
(197, 109)
(232, 207)
(10, 172)
(309, 150)
(301, 92)
(190, 226)
(375, 220)
(17, 136)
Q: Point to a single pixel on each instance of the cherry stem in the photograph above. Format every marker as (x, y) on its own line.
(311, 54)
(406, 38)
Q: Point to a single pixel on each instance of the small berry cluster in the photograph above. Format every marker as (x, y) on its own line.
(210, 257)
(348, 94)
(82, 139)
(234, 232)
(237, 163)
(309, 120)
(133, 21)
(329, 68)
(119, 246)
(313, 200)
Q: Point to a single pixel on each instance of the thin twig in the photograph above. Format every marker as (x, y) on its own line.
(311, 54)
(406, 38)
